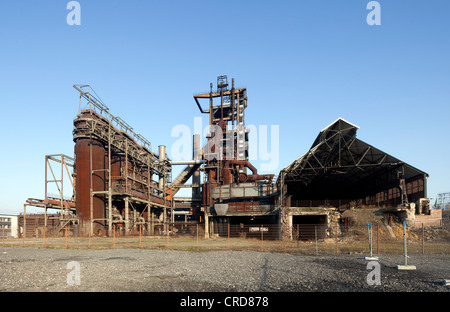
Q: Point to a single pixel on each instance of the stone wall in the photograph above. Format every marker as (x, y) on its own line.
(434, 218)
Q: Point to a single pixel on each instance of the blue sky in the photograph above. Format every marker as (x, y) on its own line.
(304, 64)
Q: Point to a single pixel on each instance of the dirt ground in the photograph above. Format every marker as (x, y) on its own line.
(143, 270)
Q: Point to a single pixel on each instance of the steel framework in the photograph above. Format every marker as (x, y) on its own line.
(133, 186)
(55, 177)
(443, 201)
(340, 166)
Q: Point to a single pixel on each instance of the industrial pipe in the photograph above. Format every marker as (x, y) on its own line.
(242, 177)
(188, 162)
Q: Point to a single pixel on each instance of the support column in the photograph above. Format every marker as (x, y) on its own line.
(110, 224)
(290, 225)
(196, 178)
(425, 189)
(162, 157)
(45, 216)
(24, 221)
(206, 225)
(127, 216)
(162, 184)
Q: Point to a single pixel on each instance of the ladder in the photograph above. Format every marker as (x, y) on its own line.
(240, 131)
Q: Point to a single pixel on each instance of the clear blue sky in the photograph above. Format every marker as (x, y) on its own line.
(304, 63)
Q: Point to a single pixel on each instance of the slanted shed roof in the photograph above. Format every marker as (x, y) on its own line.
(339, 165)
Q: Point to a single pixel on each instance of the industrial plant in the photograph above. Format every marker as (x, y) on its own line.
(117, 180)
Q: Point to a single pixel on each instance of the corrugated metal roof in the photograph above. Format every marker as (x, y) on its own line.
(337, 159)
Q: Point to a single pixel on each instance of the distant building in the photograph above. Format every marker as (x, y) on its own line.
(9, 226)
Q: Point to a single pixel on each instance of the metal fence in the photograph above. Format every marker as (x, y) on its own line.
(245, 231)
(299, 238)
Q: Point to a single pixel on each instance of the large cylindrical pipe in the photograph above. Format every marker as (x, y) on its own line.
(85, 151)
(187, 162)
(162, 153)
(196, 155)
(162, 157)
(162, 186)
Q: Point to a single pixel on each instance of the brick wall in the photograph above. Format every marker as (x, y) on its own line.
(434, 218)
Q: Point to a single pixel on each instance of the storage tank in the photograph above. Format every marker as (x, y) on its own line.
(83, 180)
(83, 148)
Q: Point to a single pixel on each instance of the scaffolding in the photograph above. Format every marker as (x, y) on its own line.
(131, 187)
(443, 201)
(58, 176)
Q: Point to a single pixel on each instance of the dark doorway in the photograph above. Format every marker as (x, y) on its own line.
(307, 227)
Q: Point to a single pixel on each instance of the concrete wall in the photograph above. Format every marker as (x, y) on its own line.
(329, 215)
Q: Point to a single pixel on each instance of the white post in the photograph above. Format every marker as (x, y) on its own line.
(370, 233)
(405, 266)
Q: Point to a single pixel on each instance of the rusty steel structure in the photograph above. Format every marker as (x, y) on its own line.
(116, 170)
(342, 172)
(116, 180)
(342, 169)
(229, 192)
(57, 167)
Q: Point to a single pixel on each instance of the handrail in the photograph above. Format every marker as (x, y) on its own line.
(103, 110)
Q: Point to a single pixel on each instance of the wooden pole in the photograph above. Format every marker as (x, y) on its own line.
(337, 227)
(24, 225)
(228, 235)
(315, 234)
(89, 235)
(44, 235)
(262, 237)
(114, 236)
(423, 239)
(168, 228)
(66, 236)
(140, 235)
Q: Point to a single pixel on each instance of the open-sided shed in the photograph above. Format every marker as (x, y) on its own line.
(341, 170)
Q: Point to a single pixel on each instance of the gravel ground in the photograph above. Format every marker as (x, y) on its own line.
(135, 270)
